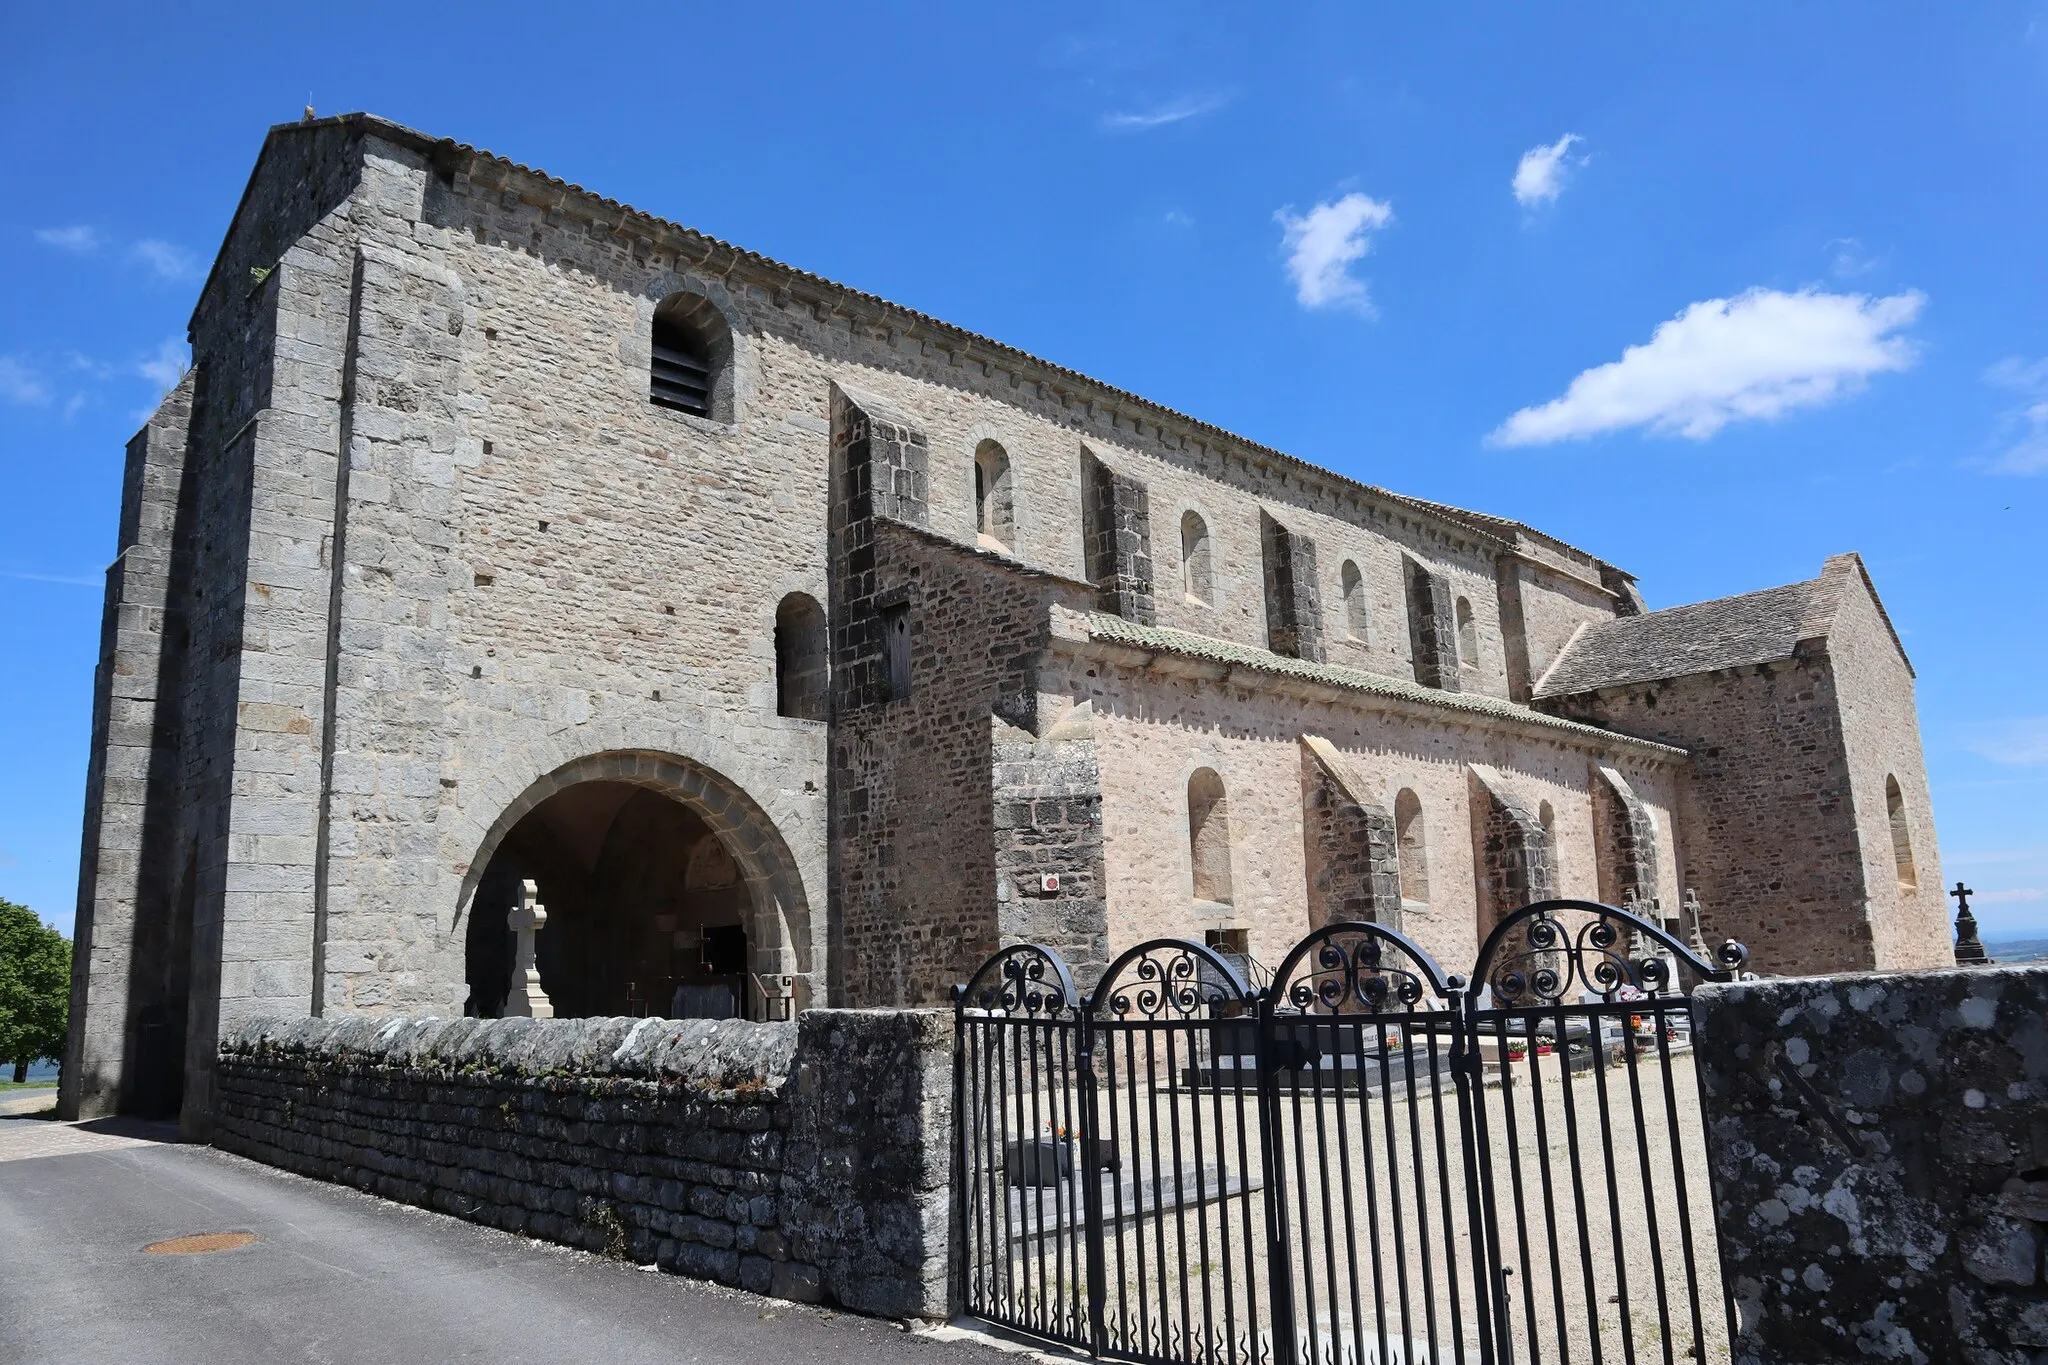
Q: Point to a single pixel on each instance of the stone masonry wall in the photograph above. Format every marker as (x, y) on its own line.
(1909, 924)
(808, 1161)
(1294, 608)
(1154, 723)
(1513, 848)
(913, 782)
(1047, 800)
(1354, 870)
(130, 973)
(1766, 820)
(1879, 1153)
(1117, 526)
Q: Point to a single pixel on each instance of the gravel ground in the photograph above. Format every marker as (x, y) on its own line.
(1379, 1221)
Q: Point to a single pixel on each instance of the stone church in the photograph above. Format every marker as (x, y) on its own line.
(800, 648)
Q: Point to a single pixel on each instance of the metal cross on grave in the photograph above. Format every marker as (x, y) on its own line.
(526, 1000)
(1969, 948)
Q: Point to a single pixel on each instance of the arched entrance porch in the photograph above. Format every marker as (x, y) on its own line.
(669, 892)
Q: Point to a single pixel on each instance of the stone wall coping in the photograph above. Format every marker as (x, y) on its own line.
(1159, 649)
(710, 1056)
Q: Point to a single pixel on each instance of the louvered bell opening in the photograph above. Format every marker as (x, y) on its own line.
(679, 378)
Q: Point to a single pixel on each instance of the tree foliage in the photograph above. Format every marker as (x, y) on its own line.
(35, 986)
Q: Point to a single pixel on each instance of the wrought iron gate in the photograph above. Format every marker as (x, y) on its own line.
(1366, 1162)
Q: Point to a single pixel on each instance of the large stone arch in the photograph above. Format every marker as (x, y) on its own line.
(781, 912)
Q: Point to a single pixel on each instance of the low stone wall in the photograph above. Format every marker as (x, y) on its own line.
(806, 1160)
(1879, 1150)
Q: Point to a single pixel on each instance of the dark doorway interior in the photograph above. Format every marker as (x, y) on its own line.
(647, 912)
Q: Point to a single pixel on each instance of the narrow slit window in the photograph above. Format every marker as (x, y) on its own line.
(1902, 835)
(1194, 559)
(994, 509)
(1355, 619)
(1209, 837)
(1412, 842)
(1468, 635)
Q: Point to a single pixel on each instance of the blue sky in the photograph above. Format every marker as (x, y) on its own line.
(1711, 292)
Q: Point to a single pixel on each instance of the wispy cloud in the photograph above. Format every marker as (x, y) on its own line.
(1847, 259)
(21, 384)
(69, 580)
(1178, 218)
(1160, 115)
(2018, 741)
(1754, 357)
(167, 366)
(78, 238)
(2012, 895)
(168, 261)
(1540, 175)
(1322, 244)
(2022, 430)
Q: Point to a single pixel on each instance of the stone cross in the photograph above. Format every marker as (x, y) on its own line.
(1969, 948)
(526, 1000)
(1692, 907)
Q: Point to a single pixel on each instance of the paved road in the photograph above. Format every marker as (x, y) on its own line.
(339, 1276)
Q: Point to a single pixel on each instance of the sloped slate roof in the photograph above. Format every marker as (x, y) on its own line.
(1727, 632)
(1117, 630)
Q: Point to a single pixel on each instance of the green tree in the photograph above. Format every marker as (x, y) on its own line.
(35, 988)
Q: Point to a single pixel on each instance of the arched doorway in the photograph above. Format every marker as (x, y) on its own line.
(668, 892)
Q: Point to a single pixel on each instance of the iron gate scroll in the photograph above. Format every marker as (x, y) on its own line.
(1368, 1162)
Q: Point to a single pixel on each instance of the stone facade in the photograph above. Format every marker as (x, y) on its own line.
(415, 561)
(1880, 1164)
(805, 1160)
(1795, 706)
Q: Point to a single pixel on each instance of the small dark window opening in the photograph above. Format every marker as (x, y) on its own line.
(687, 367)
(896, 650)
(681, 374)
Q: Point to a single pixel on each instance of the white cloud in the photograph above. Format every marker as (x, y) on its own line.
(20, 384)
(2020, 741)
(1756, 356)
(2023, 430)
(1321, 245)
(2015, 895)
(79, 238)
(1539, 176)
(1173, 111)
(167, 366)
(171, 262)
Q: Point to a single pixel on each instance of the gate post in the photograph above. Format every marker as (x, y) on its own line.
(1091, 1183)
(1279, 1268)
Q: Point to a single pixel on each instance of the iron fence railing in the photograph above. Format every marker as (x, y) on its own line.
(1362, 1160)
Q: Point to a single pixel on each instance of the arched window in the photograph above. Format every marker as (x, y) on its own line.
(1547, 817)
(1355, 620)
(1209, 836)
(691, 363)
(994, 512)
(800, 658)
(1194, 559)
(1902, 837)
(1468, 636)
(1412, 841)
